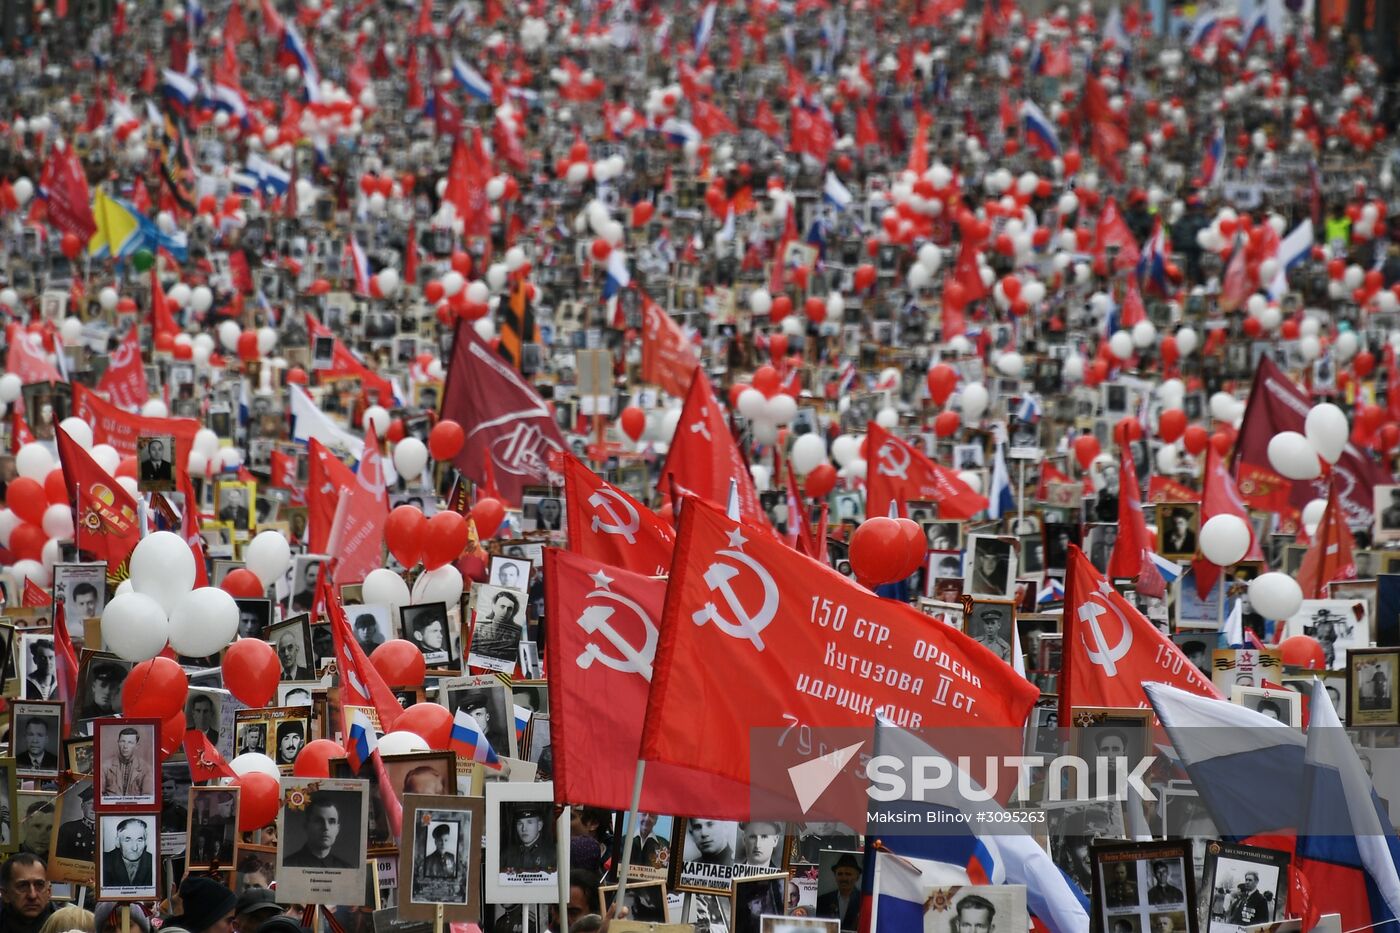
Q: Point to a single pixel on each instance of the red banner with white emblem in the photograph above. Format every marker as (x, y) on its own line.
(607, 525)
(704, 457)
(600, 652)
(755, 635)
(111, 425)
(899, 473)
(1111, 649)
(668, 359)
(125, 378)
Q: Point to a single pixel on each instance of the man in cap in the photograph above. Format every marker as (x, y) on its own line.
(528, 850)
(367, 632)
(77, 839)
(844, 902)
(255, 906)
(990, 636)
(104, 691)
(440, 863)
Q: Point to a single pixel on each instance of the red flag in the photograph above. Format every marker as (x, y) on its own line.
(125, 378)
(1220, 496)
(424, 26)
(35, 595)
(326, 477)
(811, 133)
(600, 659)
(362, 509)
(899, 472)
(506, 422)
(704, 457)
(918, 150)
(1237, 286)
(766, 122)
(69, 204)
(413, 94)
(410, 260)
(206, 764)
(1133, 310)
(751, 626)
(189, 529)
(1111, 650)
(668, 359)
(1329, 555)
(235, 29)
(19, 430)
(65, 659)
(111, 425)
(866, 133)
(1112, 230)
(26, 360)
(106, 519)
(283, 468)
(345, 363)
(361, 684)
(1161, 489)
(1131, 547)
(1108, 128)
(710, 120)
(1048, 474)
(466, 186)
(607, 525)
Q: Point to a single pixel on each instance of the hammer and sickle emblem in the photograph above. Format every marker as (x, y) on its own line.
(700, 427)
(597, 620)
(894, 461)
(1100, 653)
(603, 501)
(746, 625)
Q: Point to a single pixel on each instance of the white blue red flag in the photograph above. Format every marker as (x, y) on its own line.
(470, 742)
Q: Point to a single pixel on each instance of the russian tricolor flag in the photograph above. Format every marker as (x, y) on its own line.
(310, 74)
(270, 177)
(1204, 30)
(522, 722)
(469, 742)
(362, 741)
(617, 276)
(180, 87)
(230, 99)
(360, 263)
(835, 193)
(471, 80)
(1040, 130)
(1152, 264)
(704, 26)
(680, 132)
(1213, 163)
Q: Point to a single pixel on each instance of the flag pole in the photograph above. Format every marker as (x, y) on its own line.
(1020, 494)
(620, 896)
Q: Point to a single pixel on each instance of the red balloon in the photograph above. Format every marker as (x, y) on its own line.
(1370, 418)
(27, 541)
(172, 734)
(915, 546)
(864, 276)
(396, 431)
(314, 759)
(431, 721)
(777, 346)
(1388, 437)
(445, 440)
(942, 380)
(444, 539)
(258, 797)
(633, 421)
(488, 514)
(1171, 424)
(26, 499)
(1363, 364)
(815, 309)
(1221, 442)
(251, 671)
(154, 689)
(433, 292)
(71, 245)
(641, 213)
(736, 389)
(297, 376)
(947, 423)
(765, 380)
(1086, 448)
(877, 551)
(403, 533)
(782, 307)
(400, 661)
(821, 481)
(1126, 431)
(248, 345)
(1195, 439)
(55, 489)
(243, 584)
(600, 248)
(1303, 651)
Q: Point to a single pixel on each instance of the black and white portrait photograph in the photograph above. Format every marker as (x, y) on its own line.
(203, 709)
(1177, 527)
(1073, 827)
(9, 809)
(1285, 706)
(1248, 886)
(756, 895)
(75, 840)
(288, 741)
(100, 679)
(425, 625)
(82, 588)
(424, 773)
(213, 820)
(292, 641)
(1000, 907)
(531, 695)
(251, 738)
(943, 536)
(991, 565)
(498, 629)
(488, 701)
(254, 617)
(704, 856)
(522, 859)
(440, 858)
(34, 816)
(306, 571)
(128, 751)
(510, 573)
(645, 900)
(709, 911)
(322, 352)
(155, 457)
(40, 669)
(36, 736)
(1138, 882)
(990, 624)
(295, 694)
(233, 503)
(542, 513)
(1337, 624)
(321, 829)
(1387, 514)
(370, 625)
(127, 868)
(1371, 682)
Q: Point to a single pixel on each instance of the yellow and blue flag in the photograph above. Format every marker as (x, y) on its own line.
(119, 230)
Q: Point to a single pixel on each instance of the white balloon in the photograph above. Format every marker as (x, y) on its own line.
(1167, 458)
(1144, 334)
(763, 431)
(919, 276)
(1326, 428)
(107, 298)
(255, 763)
(58, 521)
(1186, 341)
(130, 485)
(845, 448)
(202, 299)
(1313, 511)
(496, 275)
(410, 458)
(477, 291)
(378, 416)
(31, 570)
(10, 387)
(268, 555)
(24, 190)
(443, 585)
(1222, 406)
(134, 626)
(1310, 348)
(79, 430)
(155, 408)
(808, 452)
(71, 330)
(1346, 345)
(383, 587)
(453, 282)
(230, 458)
(1275, 595)
(1073, 369)
(972, 478)
(930, 257)
(1011, 364)
(1121, 344)
(780, 409)
(34, 461)
(835, 305)
(203, 622)
(388, 280)
(206, 442)
(9, 521)
(267, 340)
(752, 403)
(400, 742)
(1293, 457)
(887, 418)
(162, 567)
(229, 332)
(760, 302)
(762, 477)
(107, 457)
(1225, 539)
(974, 399)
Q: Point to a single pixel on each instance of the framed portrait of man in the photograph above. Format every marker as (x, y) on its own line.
(321, 832)
(306, 570)
(1255, 882)
(292, 642)
(126, 870)
(645, 900)
(522, 862)
(991, 623)
(510, 573)
(425, 625)
(1178, 525)
(1285, 706)
(1387, 512)
(82, 588)
(73, 854)
(36, 736)
(490, 703)
(1113, 740)
(254, 617)
(498, 628)
(1371, 687)
(755, 896)
(128, 755)
(155, 459)
(100, 679)
(38, 666)
(34, 821)
(991, 565)
(440, 857)
(234, 503)
(423, 773)
(213, 822)
(706, 861)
